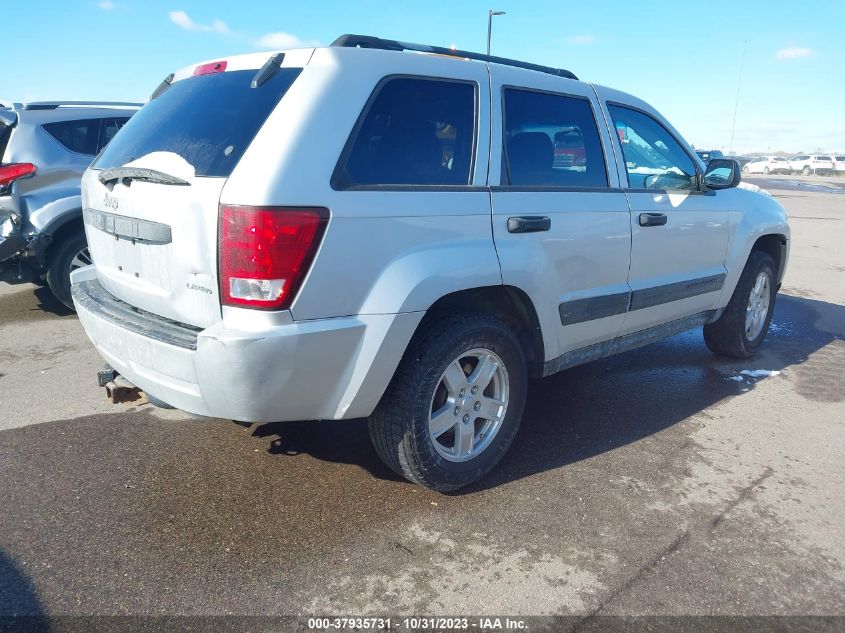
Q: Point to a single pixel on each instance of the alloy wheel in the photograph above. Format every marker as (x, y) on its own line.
(469, 404)
(81, 259)
(758, 306)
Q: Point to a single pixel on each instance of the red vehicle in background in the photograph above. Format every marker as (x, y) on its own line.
(569, 148)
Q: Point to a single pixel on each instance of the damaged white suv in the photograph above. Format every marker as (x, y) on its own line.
(357, 231)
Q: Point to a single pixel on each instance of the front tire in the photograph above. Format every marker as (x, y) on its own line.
(806, 171)
(767, 171)
(740, 331)
(67, 255)
(455, 403)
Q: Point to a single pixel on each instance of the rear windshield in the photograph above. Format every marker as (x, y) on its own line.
(208, 120)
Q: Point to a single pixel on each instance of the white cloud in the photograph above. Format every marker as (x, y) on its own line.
(183, 20)
(106, 5)
(580, 40)
(282, 40)
(794, 52)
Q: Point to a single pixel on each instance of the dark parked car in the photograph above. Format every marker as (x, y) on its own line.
(709, 154)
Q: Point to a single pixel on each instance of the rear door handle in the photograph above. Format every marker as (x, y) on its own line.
(529, 224)
(653, 219)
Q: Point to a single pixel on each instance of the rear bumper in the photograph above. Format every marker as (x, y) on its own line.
(322, 369)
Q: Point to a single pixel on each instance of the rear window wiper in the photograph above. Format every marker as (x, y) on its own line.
(145, 174)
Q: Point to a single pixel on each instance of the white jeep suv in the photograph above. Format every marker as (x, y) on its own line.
(357, 231)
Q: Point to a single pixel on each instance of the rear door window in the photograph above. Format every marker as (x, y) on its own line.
(208, 120)
(414, 131)
(77, 136)
(551, 141)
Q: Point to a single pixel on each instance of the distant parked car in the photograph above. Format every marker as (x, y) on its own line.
(709, 154)
(766, 165)
(44, 148)
(839, 165)
(810, 164)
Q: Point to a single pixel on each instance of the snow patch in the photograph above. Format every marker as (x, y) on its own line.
(748, 374)
(760, 373)
(781, 328)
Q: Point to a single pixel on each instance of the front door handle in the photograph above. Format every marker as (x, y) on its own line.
(653, 219)
(529, 224)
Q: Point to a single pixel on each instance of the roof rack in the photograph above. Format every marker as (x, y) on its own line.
(368, 41)
(52, 105)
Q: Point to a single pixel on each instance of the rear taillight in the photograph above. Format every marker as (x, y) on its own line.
(265, 252)
(13, 171)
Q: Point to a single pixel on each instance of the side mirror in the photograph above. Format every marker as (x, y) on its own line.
(722, 173)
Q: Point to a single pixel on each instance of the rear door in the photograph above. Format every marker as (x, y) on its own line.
(679, 234)
(560, 221)
(155, 244)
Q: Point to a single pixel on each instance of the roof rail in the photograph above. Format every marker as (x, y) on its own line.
(52, 105)
(368, 41)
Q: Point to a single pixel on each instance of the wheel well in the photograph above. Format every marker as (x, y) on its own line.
(774, 246)
(507, 303)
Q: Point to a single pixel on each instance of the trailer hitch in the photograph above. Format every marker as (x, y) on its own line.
(118, 389)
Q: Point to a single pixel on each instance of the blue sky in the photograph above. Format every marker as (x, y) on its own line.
(683, 58)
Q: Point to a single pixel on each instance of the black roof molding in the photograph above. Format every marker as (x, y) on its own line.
(368, 41)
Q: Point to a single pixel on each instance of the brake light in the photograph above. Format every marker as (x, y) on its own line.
(13, 171)
(212, 67)
(265, 252)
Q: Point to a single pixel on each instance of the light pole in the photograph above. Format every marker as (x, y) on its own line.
(736, 101)
(490, 15)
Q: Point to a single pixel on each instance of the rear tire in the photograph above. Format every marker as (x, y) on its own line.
(741, 329)
(806, 171)
(67, 255)
(429, 426)
(767, 171)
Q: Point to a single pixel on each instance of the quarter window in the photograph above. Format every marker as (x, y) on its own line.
(76, 136)
(414, 132)
(653, 158)
(551, 141)
(110, 128)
